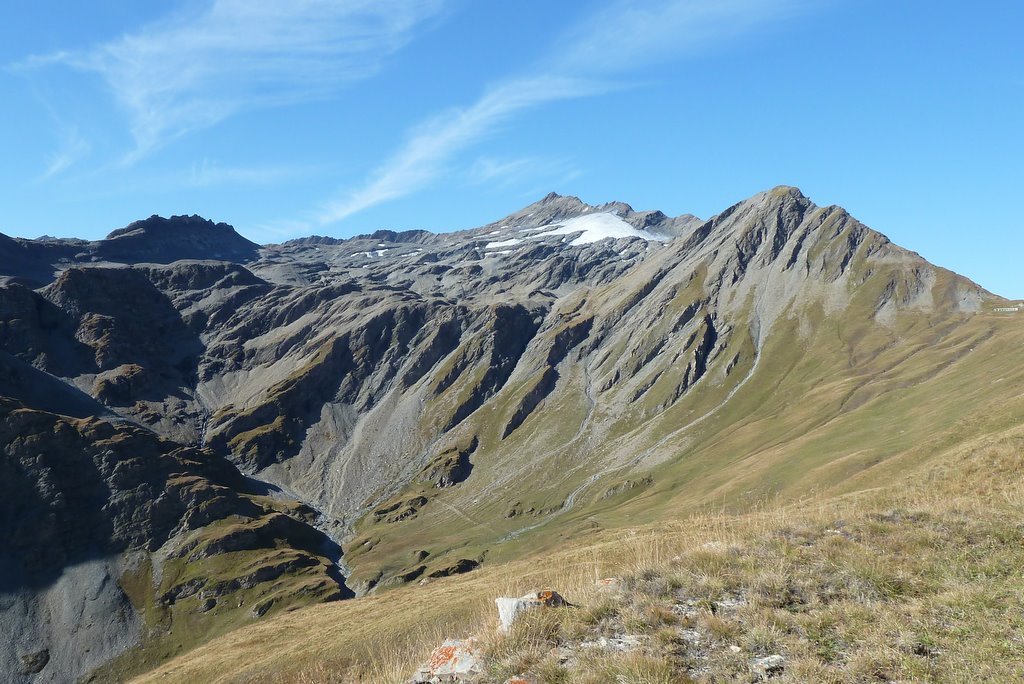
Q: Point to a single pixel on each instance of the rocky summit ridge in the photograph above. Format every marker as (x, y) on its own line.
(202, 431)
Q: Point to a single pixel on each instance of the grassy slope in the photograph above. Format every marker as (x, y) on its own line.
(914, 580)
(839, 411)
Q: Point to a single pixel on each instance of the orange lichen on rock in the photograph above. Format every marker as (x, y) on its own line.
(453, 657)
(442, 655)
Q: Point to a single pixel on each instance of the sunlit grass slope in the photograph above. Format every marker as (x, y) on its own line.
(845, 409)
(914, 579)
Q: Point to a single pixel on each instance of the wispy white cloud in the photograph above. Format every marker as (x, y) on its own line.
(201, 66)
(210, 173)
(434, 143)
(504, 173)
(73, 148)
(610, 44)
(627, 34)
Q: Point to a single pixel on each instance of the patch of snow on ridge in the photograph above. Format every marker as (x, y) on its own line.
(503, 243)
(596, 227)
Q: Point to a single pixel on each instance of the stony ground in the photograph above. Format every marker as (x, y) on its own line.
(921, 595)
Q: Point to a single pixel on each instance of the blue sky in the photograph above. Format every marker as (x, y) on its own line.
(288, 118)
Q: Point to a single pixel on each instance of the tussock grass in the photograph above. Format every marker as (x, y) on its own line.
(918, 581)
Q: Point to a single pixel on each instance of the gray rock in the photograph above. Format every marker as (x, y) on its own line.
(511, 608)
(456, 660)
(768, 667)
(622, 643)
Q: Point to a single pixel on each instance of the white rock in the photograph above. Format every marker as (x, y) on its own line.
(770, 666)
(510, 608)
(691, 635)
(623, 643)
(454, 659)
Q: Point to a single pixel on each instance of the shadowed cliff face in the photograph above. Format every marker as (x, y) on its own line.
(458, 393)
(75, 490)
(154, 240)
(162, 241)
(161, 530)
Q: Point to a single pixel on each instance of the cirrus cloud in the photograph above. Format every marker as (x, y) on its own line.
(195, 68)
(595, 57)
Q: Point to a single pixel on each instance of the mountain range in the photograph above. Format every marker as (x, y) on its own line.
(200, 432)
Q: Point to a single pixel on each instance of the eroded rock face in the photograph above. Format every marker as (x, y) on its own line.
(74, 489)
(451, 467)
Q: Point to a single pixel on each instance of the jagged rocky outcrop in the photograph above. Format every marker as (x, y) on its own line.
(458, 390)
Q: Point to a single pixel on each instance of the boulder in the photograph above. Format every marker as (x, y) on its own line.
(510, 608)
(456, 660)
(768, 667)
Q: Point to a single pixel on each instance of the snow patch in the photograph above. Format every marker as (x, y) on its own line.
(370, 255)
(594, 228)
(503, 243)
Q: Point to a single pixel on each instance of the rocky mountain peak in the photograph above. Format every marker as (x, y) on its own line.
(554, 205)
(163, 240)
(787, 191)
(157, 225)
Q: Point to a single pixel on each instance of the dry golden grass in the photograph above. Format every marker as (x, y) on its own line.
(917, 581)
